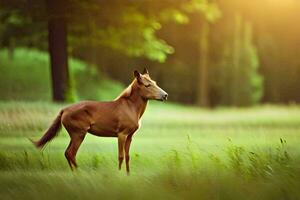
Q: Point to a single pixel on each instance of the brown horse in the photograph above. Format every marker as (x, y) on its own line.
(119, 118)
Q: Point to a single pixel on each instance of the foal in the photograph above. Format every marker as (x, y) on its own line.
(119, 118)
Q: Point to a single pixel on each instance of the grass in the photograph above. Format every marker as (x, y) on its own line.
(178, 153)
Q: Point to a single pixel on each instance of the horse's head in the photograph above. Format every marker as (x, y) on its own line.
(148, 88)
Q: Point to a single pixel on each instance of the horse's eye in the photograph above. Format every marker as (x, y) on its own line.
(147, 85)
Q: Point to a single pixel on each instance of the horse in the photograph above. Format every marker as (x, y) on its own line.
(119, 118)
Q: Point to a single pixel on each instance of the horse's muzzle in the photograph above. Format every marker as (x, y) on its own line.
(164, 97)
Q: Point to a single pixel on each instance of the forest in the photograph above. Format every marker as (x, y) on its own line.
(217, 53)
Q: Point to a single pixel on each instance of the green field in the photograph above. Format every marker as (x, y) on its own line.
(178, 153)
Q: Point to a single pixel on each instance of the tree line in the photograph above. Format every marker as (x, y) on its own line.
(208, 53)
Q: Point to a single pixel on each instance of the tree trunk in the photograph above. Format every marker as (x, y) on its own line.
(236, 60)
(57, 41)
(203, 81)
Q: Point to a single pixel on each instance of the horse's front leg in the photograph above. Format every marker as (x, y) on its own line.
(121, 144)
(127, 147)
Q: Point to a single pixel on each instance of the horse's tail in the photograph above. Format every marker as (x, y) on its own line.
(50, 133)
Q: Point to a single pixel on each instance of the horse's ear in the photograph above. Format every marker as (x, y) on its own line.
(145, 71)
(137, 75)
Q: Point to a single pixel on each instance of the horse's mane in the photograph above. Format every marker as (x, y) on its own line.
(127, 92)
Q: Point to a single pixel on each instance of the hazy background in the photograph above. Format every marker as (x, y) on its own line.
(207, 53)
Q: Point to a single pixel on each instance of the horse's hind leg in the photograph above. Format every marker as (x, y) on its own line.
(67, 155)
(71, 151)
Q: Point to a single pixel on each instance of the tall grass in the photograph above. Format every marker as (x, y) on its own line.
(179, 153)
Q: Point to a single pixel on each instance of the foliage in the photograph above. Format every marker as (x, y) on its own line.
(123, 26)
(117, 37)
(129, 31)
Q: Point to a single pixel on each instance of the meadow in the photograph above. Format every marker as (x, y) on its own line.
(180, 152)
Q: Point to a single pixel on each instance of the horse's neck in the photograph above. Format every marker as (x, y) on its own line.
(135, 101)
(138, 103)
(126, 93)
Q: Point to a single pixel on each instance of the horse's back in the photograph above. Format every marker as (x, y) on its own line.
(86, 114)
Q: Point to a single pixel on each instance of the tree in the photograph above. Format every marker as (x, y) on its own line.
(240, 82)
(211, 13)
(203, 77)
(57, 42)
(128, 27)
